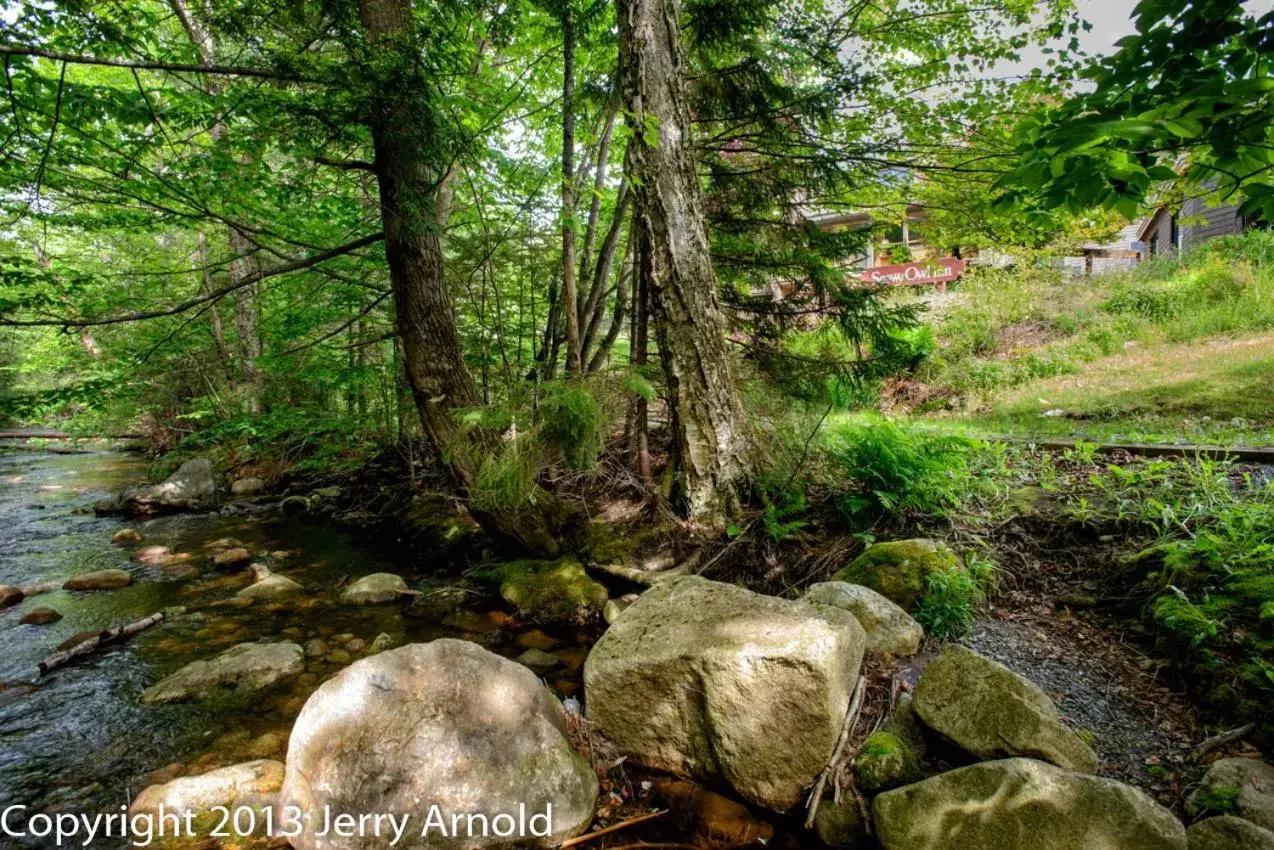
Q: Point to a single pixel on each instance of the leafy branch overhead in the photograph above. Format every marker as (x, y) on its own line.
(1187, 99)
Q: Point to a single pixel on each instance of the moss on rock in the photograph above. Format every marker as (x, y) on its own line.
(898, 569)
(548, 591)
(885, 762)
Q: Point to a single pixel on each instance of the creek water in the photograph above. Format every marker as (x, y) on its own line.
(78, 738)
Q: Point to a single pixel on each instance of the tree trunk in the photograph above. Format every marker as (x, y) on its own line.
(250, 347)
(570, 299)
(712, 436)
(245, 322)
(413, 216)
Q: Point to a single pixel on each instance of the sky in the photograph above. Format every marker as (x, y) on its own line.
(1111, 20)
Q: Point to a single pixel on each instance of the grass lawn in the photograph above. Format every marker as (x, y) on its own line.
(1218, 390)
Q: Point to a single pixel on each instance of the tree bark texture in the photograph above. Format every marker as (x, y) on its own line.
(713, 438)
(413, 215)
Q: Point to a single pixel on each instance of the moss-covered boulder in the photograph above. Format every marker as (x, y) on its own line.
(905, 726)
(1229, 833)
(990, 712)
(1244, 787)
(899, 569)
(1022, 804)
(885, 762)
(549, 591)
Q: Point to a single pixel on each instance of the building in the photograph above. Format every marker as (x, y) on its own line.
(1170, 231)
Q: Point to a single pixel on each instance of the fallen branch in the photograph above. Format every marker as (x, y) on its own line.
(855, 703)
(1216, 742)
(104, 638)
(616, 827)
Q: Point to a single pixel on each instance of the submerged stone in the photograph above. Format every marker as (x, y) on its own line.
(240, 672)
(374, 589)
(100, 580)
(40, 617)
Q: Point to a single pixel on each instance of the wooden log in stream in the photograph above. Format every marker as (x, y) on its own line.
(103, 638)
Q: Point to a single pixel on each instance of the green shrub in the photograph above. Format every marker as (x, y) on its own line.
(571, 421)
(893, 469)
(947, 609)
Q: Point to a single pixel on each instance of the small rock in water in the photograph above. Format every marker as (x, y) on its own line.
(253, 784)
(382, 642)
(536, 639)
(40, 617)
(247, 487)
(126, 537)
(100, 580)
(295, 505)
(339, 656)
(316, 648)
(225, 543)
(374, 589)
(356, 645)
(37, 589)
(10, 595)
(268, 586)
(241, 671)
(231, 558)
(538, 660)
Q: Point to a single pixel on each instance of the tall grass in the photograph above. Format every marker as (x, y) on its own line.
(1016, 326)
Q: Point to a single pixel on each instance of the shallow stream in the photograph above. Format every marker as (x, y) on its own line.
(78, 739)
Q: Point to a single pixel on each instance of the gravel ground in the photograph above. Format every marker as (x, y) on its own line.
(1142, 730)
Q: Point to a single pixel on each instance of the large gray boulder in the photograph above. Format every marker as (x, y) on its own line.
(1248, 785)
(1229, 833)
(889, 628)
(990, 712)
(239, 672)
(193, 487)
(715, 682)
(1022, 804)
(445, 724)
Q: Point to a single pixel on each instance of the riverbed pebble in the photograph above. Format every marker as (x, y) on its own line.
(126, 537)
(40, 617)
(10, 595)
(100, 580)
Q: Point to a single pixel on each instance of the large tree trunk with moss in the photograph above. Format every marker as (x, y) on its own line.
(713, 443)
(413, 212)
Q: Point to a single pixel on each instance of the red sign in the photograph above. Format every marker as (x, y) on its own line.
(915, 274)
